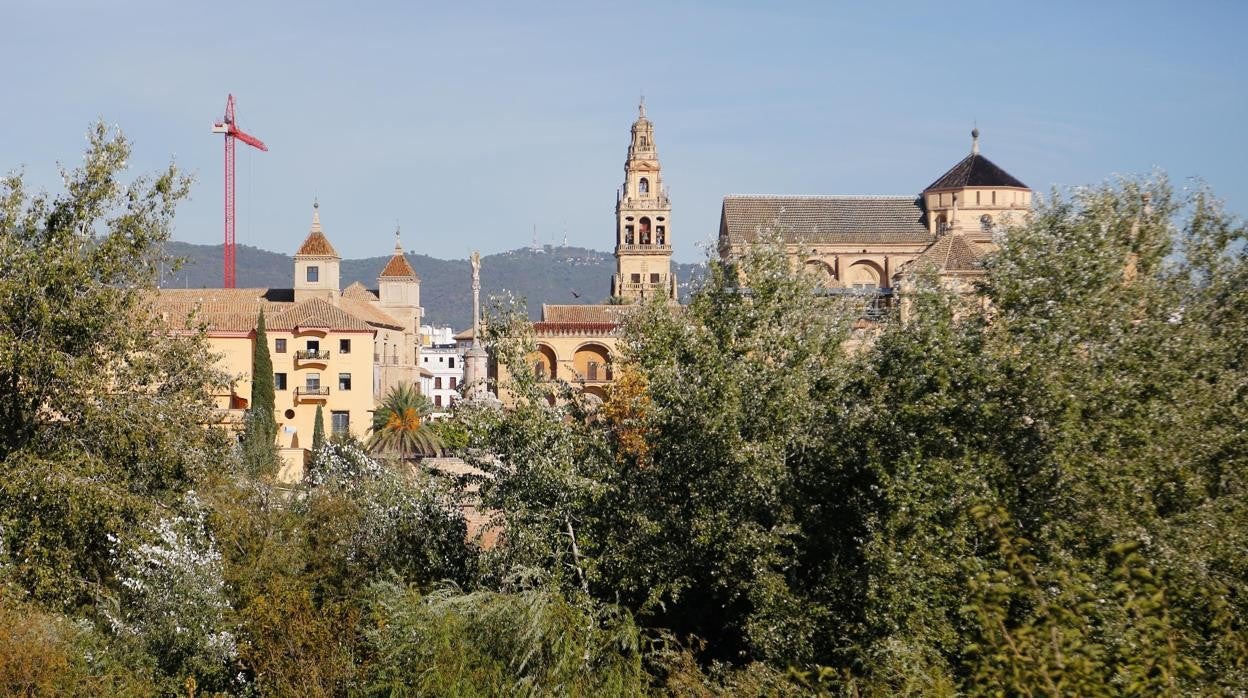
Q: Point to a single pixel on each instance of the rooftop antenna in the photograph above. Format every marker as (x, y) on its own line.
(536, 244)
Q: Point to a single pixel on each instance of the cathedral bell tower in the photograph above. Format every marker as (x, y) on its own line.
(643, 243)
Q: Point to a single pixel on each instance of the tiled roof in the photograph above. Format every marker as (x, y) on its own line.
(951, 253)
(975, 170)
(370, 313)
(221, 309)
(317, 245)
(825, 219)
(466, 334)
(316, 312)
(399, 267)
(607, 314)
(357, 291)
(236, 310)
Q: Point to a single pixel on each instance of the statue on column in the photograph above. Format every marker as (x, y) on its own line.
(475, 369)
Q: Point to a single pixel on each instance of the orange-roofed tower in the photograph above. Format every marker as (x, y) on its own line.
(316, 264)
(398, 287)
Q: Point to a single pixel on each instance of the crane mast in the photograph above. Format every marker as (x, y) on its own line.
(230, 128)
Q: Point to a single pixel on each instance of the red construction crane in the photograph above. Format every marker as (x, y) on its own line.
(231, 131)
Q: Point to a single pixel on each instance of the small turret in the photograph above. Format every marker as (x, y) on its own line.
(316, 263)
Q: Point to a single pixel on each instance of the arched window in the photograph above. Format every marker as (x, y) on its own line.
(985, 223)
(643, 230)
(863, 276)
(645, 142)
(643, 186)
(942, 224)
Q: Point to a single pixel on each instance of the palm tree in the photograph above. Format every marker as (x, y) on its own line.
(399, 425)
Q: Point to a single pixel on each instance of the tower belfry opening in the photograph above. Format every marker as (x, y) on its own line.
(643, 250)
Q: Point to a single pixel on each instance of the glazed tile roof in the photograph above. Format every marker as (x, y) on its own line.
(975, 170)
(825, 219)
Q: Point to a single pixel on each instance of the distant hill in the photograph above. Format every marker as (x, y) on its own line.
(549, 275)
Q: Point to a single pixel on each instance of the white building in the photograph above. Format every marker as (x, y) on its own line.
(442, 364)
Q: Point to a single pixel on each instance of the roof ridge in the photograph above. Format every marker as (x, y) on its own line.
(827, 197)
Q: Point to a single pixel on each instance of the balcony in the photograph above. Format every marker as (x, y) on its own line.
(312, 355)
(655, 249)
(312, 392)
(644, 286)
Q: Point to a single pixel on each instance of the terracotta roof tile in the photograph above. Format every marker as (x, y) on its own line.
(316, 312)
(221, 309)
(609, 314)
(372, 314)
(952, 253)
(357, 291)
(317, 245)
(399, 267)
(825, 219)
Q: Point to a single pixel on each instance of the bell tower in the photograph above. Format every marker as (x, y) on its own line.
(643, 243)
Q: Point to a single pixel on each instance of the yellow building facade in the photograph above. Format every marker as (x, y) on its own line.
(341, 350)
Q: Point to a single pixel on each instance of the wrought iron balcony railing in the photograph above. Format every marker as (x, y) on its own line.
(312, 391)
(312, 355)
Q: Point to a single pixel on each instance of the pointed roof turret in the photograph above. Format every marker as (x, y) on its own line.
(316, 244)
(975, 170)
(398, 266)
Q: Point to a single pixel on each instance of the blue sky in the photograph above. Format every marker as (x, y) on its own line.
(469, 123)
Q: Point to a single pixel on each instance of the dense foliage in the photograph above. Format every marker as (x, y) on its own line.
(1041, 494)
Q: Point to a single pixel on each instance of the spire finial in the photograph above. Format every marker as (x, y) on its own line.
(975, 140)
(641, 106)
(398, 246)
(316, 215)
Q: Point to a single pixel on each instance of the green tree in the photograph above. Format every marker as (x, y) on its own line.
(259, 445)
(318, 429)
(262, 389)
(102, 409)
(400, 425)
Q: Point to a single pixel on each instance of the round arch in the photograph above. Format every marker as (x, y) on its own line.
(864, 274)
(592, 362)
(544, 362)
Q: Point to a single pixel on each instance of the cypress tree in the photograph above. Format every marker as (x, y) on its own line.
(318, 430)
(262, 400)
